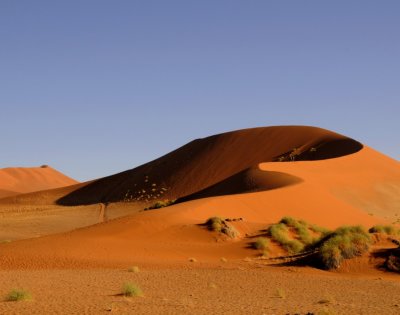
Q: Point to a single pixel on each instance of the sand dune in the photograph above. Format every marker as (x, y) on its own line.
(203, 163)
(258, 175)
(17, 180)
(239, 174)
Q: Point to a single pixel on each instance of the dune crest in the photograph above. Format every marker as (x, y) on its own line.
(204, 163)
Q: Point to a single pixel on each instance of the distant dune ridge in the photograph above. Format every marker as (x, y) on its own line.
(17, 180)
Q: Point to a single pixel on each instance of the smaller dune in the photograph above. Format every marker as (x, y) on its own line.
(17, 180)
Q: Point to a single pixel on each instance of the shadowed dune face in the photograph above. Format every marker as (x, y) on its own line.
(203, 163)
(250, 180)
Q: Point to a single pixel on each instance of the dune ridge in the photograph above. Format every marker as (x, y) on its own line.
(205, 162)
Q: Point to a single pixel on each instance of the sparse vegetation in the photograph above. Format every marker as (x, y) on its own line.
(19, 295)
(134, 269)
(261, 243)
(131, 289)
(161, 204)
(344, 243)
(280, 233)
(221, 225)
(384, 229)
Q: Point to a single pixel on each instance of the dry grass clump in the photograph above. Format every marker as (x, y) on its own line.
(161, 204)
(261, 243)
(221, 225)
(131, 289)
(344, 243)
(280, 233)
(18, 295)
(384, 229)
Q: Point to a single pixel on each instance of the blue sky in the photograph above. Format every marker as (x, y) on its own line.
(97, 87)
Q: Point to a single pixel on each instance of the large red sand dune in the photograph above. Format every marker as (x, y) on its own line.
(332, 180)
(230, 158)
(17, 180)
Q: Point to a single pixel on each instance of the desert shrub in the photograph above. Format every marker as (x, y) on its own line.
(384, 229)
(289, 221)
(280, 233)
(261, 243)
(18, 295)
(229, 230)
(294, 246)
(218, 224)
(160, 204)
(344, 243)
(215, 224)
(393, 263)
(319, 229)
(131, 289)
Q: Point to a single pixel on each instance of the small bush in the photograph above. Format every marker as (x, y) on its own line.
(18, 295)
(131, 289)
(261, 243)
(161, 204)
(215, 224)
(220, 225)
(384, 229)
(344, 243)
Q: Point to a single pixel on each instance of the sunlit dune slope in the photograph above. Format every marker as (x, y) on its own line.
(17, 180)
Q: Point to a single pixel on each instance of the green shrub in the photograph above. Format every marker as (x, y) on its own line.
(344, 243)
(384, 229)
(131, 289)
(261, 243)
(18, 295)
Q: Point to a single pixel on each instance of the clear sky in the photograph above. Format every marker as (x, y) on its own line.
(97, 87)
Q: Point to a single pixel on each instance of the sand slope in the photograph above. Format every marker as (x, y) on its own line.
(17, 180)
(236, 174)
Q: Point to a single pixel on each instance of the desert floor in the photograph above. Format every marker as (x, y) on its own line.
(196, 288)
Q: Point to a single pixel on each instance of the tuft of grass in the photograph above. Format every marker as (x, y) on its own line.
(345, 243)
(280, 293)
(223, 259)
(384, 229)
(160, 204)
(261, 243)
(280, 233)
(220, 225)
(19, 295)
(131, 289)
(215, 224)
(134, 269)
(192, 259)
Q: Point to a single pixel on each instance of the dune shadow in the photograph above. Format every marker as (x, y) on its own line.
(248, 181)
